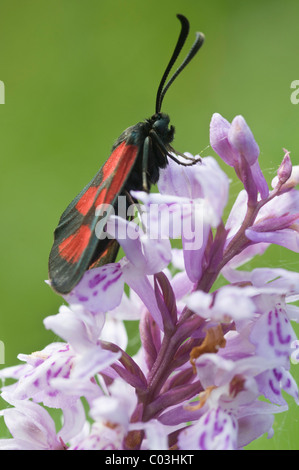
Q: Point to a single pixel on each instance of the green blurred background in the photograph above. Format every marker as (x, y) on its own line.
(77, 73)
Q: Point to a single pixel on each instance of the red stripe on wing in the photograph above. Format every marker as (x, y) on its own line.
(111, 164)
(114, 172)
(72, 248)
(86, 201)
(119, 165)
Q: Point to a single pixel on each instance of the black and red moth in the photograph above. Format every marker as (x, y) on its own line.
(134, 164)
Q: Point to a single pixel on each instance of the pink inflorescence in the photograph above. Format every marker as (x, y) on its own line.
(213, 338)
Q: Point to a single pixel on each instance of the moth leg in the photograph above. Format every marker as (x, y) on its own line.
(145, 156)
(129, 197)
(193, 162)
(159, 142)
(192, 159)
(133, 208)
(166, 152)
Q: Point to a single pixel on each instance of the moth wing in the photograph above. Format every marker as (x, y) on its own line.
(75, 242)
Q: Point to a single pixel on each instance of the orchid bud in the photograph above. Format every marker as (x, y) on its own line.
(241, 138)
(285, 169)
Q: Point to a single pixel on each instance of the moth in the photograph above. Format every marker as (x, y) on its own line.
(134, 164)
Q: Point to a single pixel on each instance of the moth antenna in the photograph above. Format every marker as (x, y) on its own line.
(179, 45)
(193, 51)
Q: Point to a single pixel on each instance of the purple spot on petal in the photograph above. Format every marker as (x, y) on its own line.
(36, 383)
(282, 340)
(82, 298)
(38, 362)
(270, 318)
(218, 427)
(207, 419)
(57, 372)
(274, 390)
(112, 281)
(227, 439)
(277, 374)
(95, 292)
(96, 280)
(202, 441)
(280, 353)
(288, 384)
(271, 338)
